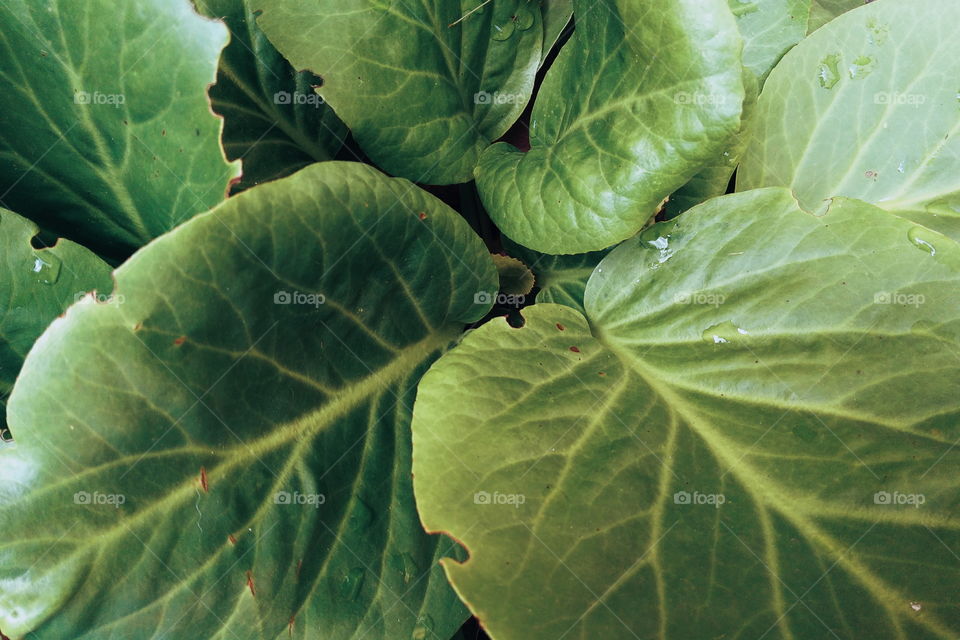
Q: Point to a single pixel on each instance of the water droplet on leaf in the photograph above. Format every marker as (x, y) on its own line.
(923, 239)
(406, 566)
(829, 71)
(351, 583)
(46, 267)
(861, 67)
(503, 31)
(424, 628)
(524, 19)
(723, 333)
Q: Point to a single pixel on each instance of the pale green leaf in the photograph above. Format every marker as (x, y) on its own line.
(867, 107)
(751, 434)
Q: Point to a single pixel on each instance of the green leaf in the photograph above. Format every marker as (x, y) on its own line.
(714, 179)
(769, 28)
(249, 405)
(424, 86)
(559, 279)
(823, 11)
(556, 17)
(867, 107)
(621, 121)
(273, 119)
(516, 279)
(750, 434)
(37, 285)
(106, 135)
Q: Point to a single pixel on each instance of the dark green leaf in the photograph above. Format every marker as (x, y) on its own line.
(423, 86)
(273, 118)
(106, 134)
(227, 453)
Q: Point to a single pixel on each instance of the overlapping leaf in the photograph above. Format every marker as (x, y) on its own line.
(867, 107)
(559, 279)
(642, 96)
(424, 86)
(106, 135)
(37, 285)
(273, 119)
(750, 434)
(225, 454)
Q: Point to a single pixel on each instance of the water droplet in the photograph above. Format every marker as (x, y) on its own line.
(524, 19)
(861, 67)
(503, 31)
(351, 583)
(878, 33)
(424, 628)
(724, 333)
(902, 166)
(923, 239)
(829, 72)
(663, 244)
(406, 566)
(916, 606)
(46, 267)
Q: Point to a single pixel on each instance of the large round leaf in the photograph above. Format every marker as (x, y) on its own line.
(273, 120)
(37, 285)
(867, 108)
(642, 96)
(751, 434)
(424, 86)
(226, 453)
(106, 134)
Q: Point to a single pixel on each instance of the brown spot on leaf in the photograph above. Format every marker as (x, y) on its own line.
(561, 327)
(179, 341)
(250, 585)
(232, 538)
(422, 215)
(575, 349)
(203, 480)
